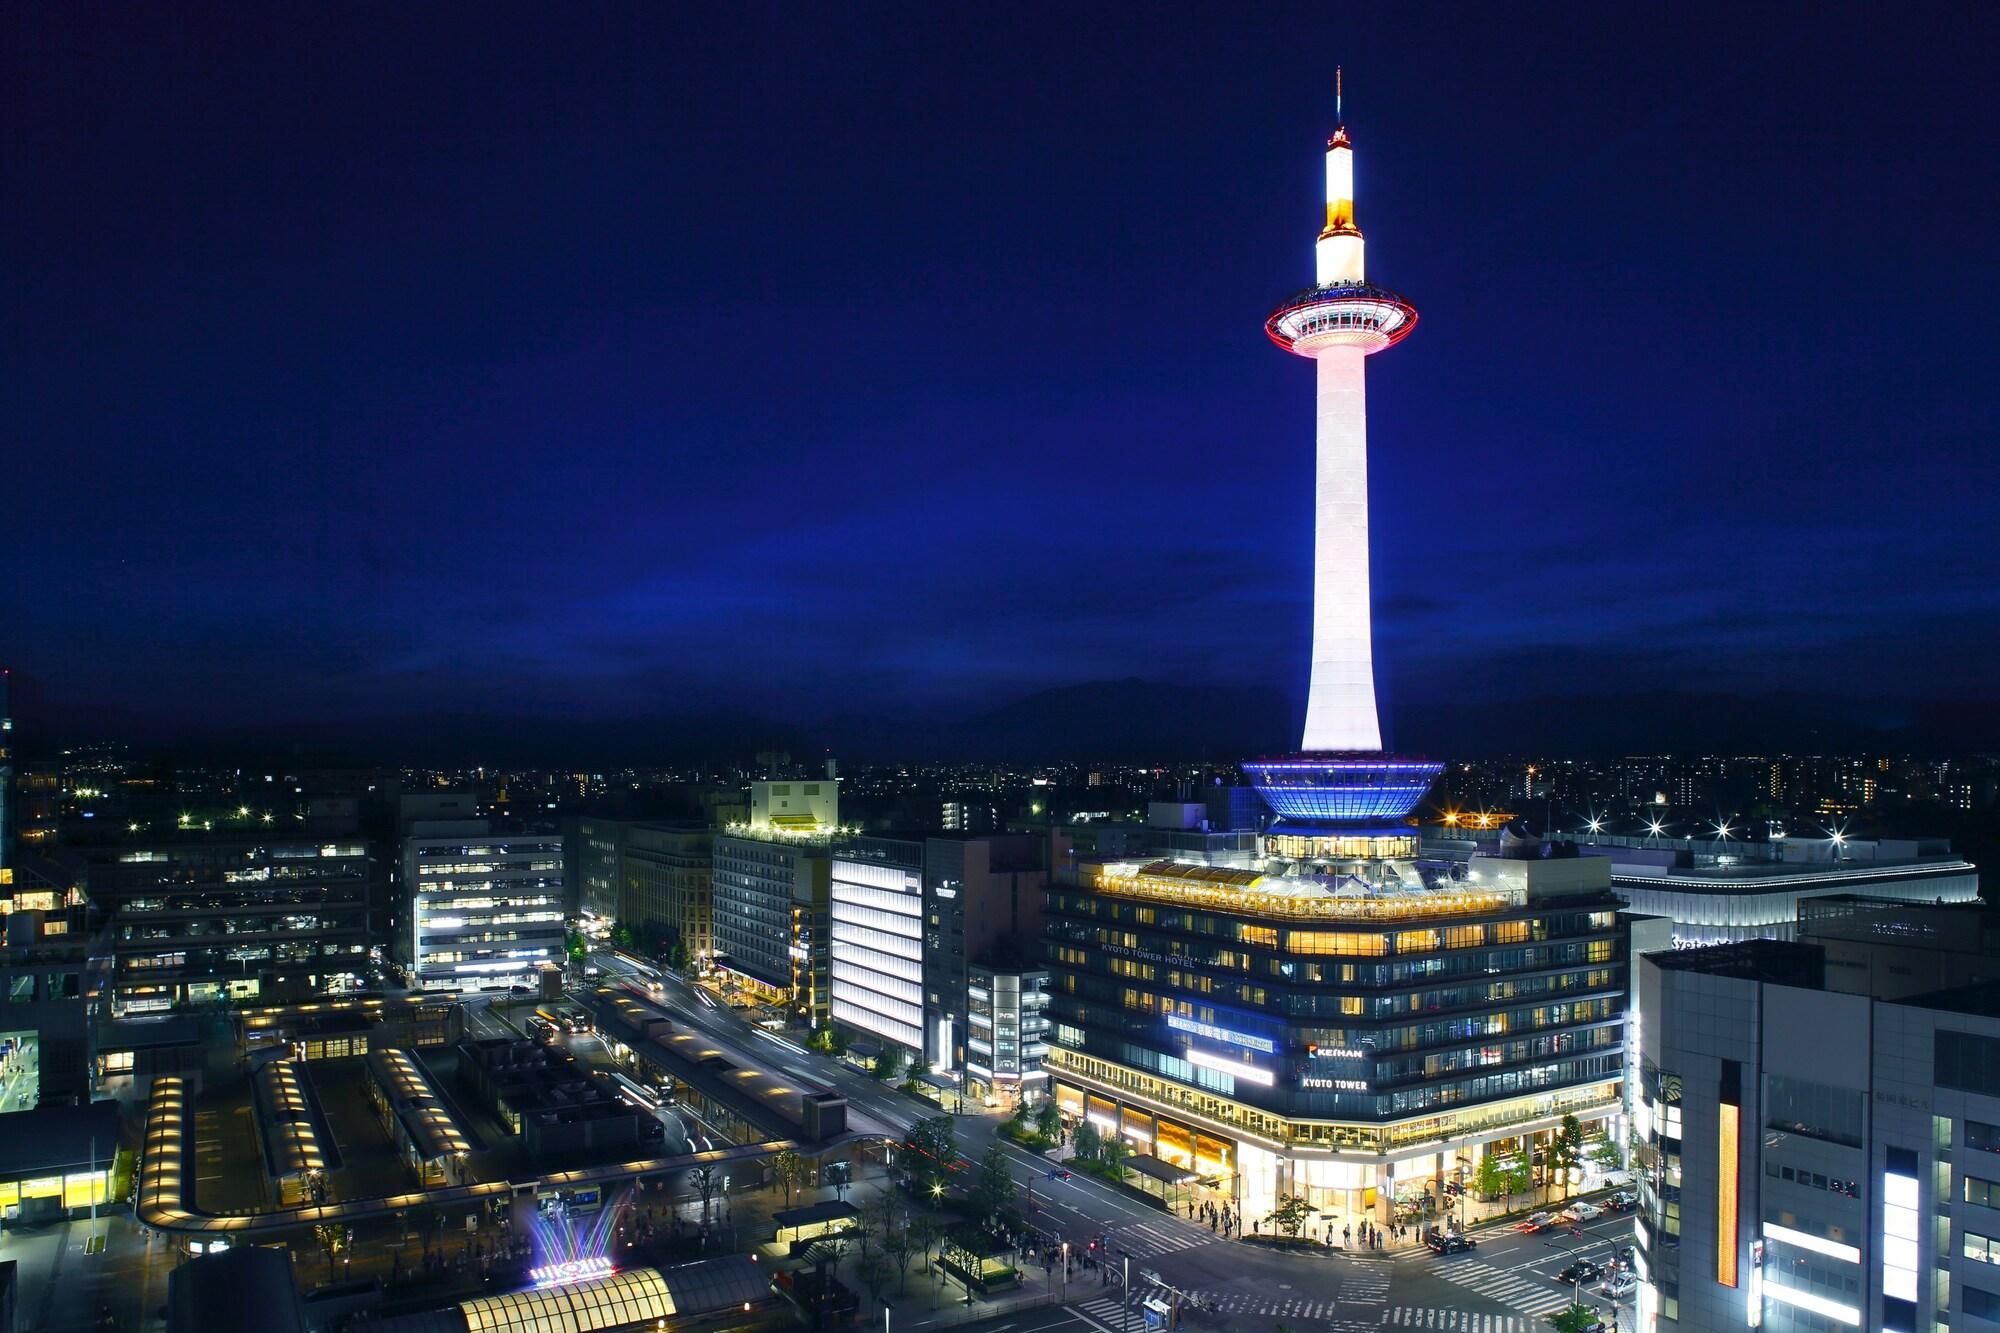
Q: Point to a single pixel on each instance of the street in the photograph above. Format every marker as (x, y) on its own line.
(1506, 1285)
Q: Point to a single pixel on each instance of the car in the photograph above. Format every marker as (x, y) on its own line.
(1451, 1244)
(1534, 1222)
(1619, 1286)
(1624, 1201)
(1058, 1173)
(1584, 1211)
(1580, 1272)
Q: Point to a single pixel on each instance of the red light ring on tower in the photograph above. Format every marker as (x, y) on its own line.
(1350, 313)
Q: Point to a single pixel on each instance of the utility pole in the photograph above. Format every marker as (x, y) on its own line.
(1125, 1307)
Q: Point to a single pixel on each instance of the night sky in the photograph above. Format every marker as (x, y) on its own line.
(818, 363)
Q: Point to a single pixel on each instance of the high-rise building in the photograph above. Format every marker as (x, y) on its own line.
(485, 910)
(877, 945)
(1007, 1034)
(202, 918)
(1815, 1158)
(979, 892)
(666, 888)
(771, 901)
(597, 847)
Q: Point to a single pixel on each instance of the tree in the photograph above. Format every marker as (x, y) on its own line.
(1578, 1318)
(622, 936)
(333, 1238)
(1087, 1141)
(994, 1189)
(889, 1063)
(1291, 1214)
(1048, 1119)
(576, 946)
(1603, 1151)
(790, 1169)
(1565, 1150)
(1519, 1177)
(702, 1178)
(926, 1234)
(1114, 1150)
(906, 1241)
(677, 955)
(930, 1151)
(1490, 1180)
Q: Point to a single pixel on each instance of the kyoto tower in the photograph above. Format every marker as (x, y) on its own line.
(1342, 777)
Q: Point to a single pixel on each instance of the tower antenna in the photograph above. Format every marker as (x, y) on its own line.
(1336, 95)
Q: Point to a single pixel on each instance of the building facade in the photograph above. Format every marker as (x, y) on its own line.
(1716, 891)
(1815, 1159)
(1349, 1034)
(1007, 1016)
(666, 885)
(877, 944)
(980, 891)
(772, 895)
(196, 920)
(598, 846)
(485, 909)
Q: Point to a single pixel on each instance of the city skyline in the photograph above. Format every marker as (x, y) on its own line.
(454, 395)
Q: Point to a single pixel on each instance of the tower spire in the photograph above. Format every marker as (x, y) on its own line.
(1339, 118)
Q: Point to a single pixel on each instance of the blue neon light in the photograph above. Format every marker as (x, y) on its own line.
(1342, 790)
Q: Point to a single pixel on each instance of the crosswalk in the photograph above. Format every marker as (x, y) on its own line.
(1142, 1240)
(1456, 1321)
(1105, 1310)
(1527, 1294)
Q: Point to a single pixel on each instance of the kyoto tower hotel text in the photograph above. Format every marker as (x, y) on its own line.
(1334, 1017)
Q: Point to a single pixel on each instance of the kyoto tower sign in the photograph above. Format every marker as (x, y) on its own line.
(1342, 777)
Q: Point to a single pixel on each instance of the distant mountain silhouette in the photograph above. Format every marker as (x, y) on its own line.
(1132, 719)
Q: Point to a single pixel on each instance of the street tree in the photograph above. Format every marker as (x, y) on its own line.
(703, 1181)
(993, 1191)
(1087, 1141)
(889, 1063)
(1291, 1214)
(1565, 1150)
(1577, 1318)
(1114, 1150)
(1048, 1119)
(790, 1169)
(334, 1238)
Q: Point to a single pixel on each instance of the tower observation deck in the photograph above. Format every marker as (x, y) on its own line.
(1342, 775)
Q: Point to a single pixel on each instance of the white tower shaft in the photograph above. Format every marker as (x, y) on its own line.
(1340, 703)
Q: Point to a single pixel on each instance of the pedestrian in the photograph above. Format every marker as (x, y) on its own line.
(1346, 1236)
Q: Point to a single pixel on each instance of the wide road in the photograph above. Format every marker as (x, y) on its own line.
(1505, 1286)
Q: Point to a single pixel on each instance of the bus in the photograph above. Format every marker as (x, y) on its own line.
(638, 1093)
(541, 1029)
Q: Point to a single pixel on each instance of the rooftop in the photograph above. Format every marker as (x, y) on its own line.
(1775, 962)
(1305, 897)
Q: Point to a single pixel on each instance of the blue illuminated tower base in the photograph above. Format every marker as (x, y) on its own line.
(1342, 789)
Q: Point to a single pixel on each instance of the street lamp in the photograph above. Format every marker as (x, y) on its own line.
(1065, 1264)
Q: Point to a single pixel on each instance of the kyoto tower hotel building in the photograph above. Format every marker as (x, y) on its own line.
(1338, 1019)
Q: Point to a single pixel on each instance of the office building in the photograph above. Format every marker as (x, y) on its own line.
(1345, 1028)
(771, 897)
(1007, 1037)
(199, 918)
(597, 847)
(666, 886)
(50, 994)
(980, 892)
(484, 910)
(772, 894)
(877, 945)
(1721, 889)
(1815, 1158)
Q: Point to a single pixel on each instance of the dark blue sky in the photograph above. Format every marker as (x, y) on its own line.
(587, 362)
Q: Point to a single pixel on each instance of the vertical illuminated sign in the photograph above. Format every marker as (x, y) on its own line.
(1900, 1221)
(1728, 1149)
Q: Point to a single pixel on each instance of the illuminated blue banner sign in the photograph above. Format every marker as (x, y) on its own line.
(1214, 1033)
